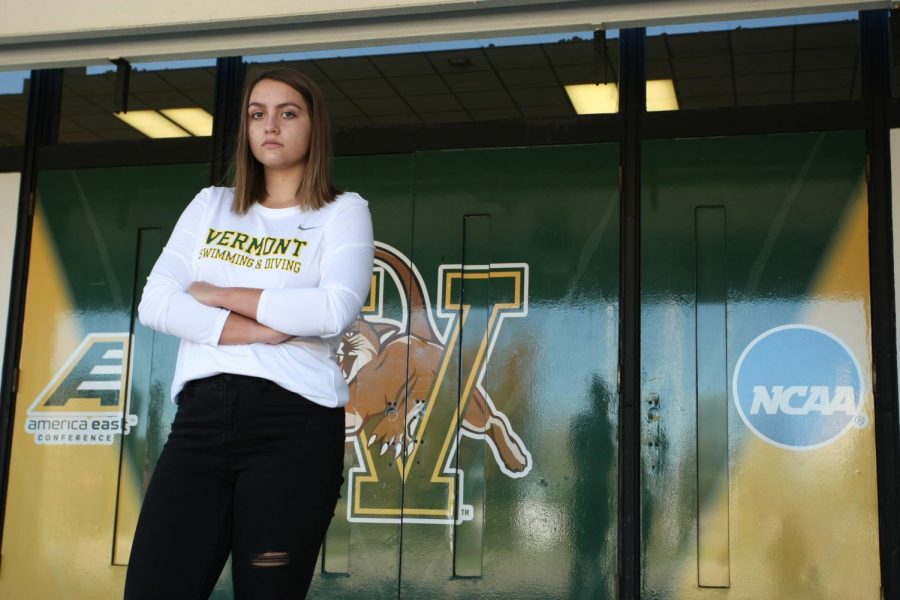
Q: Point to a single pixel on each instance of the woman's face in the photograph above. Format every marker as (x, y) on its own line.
(278, 125)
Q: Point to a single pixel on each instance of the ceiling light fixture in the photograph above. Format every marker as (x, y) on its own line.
(169, 122)
(595, 99)
(661, 95)
(195, 120)
(152, 124)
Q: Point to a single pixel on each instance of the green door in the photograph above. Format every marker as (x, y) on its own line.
(525, 243)
(758, 454)
(481, 427)
(92, 408)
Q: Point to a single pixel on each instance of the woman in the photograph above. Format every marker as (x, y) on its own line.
(259, 282)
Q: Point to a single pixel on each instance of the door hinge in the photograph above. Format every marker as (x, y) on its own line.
(15, 381)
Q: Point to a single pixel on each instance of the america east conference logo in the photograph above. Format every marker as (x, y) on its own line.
(799, 387)
(82, 403)
(417, 389)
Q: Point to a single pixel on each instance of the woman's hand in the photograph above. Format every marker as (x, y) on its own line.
(206, 293)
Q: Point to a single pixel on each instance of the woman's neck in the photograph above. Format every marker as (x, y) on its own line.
(282, 186)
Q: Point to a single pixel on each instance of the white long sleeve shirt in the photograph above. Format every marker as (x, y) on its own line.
(315, 268)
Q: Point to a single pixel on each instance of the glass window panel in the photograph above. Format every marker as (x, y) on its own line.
(14, 86)
(165, 99)
(461, 81)
(783, 60)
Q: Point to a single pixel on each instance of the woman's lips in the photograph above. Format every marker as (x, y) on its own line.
(271, 144)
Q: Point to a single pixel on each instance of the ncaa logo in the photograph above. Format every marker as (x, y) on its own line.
(799, 387)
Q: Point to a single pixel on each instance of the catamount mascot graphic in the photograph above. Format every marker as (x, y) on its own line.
(394, 368)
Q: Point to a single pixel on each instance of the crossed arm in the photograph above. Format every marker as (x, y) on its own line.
(203, 313)
(241, 326)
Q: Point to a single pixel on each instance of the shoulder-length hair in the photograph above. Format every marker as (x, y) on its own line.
(316, 189)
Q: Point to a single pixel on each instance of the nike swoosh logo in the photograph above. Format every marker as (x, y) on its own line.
(302, 228)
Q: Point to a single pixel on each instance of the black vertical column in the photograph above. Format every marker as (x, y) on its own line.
(875, 57)
(632, 102)
(226, 120)
(42, 129)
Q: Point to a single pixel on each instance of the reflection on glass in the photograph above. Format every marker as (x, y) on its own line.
(723, 265)
(165, 99)
(756, 62)
(474, 80)
(13, 107)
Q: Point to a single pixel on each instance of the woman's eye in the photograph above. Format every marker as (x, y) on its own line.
(256, 114)
(288, 114)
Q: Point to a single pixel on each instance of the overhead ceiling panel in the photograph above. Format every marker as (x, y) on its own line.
(484, 100)
(419, 84)
(746, 41)
(394, 105)
(755, 84)
(572, 74)
(491, 114)
(825, 80)
(528, 78)
(542, 96)
(762, 62)
(343, 108)
(375, 87)
(702, 66)
(573, 52)
(685, 46)
(457, 61)
(401, 65)
(706, 86)
(431, 103)
(516, 57)
(468, 82)
(348, 68)
(825, 58)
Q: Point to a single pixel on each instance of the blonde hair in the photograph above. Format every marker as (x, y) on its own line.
(316, 189)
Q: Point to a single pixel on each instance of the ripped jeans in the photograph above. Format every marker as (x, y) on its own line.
(251, 469)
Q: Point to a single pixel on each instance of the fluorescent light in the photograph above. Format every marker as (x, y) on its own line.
(603, 98)
(594, 99)
(196, 120)
(152, 124)
(661, 95)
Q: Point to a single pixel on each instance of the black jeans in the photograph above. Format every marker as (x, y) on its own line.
(249, 468)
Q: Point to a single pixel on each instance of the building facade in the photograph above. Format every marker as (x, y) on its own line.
(639, 258)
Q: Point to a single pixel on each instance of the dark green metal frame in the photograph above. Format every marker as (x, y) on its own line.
(42, 128)
(875, 55)
(633, 124)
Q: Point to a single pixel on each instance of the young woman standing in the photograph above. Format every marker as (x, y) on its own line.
(259, 282)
